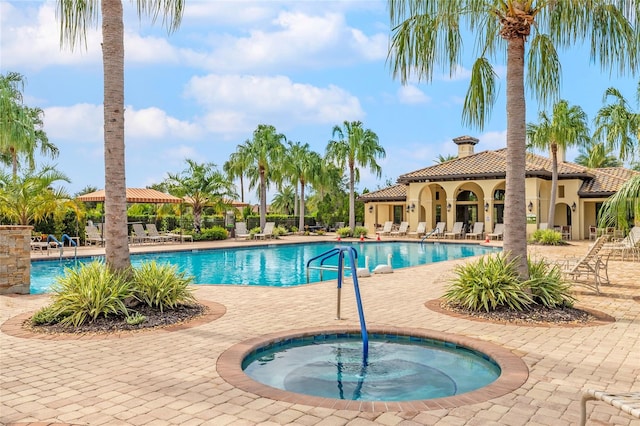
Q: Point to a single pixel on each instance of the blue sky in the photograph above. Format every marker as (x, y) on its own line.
(302, 66)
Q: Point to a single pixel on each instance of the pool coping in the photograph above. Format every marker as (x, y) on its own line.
(513, 375)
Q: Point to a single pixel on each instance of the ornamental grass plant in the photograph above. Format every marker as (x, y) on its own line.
(162, 286)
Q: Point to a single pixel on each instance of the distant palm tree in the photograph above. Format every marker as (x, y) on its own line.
(29, 198)
(354, 147)
(21, 127)
(444, 158)
(75, 16)
(304, 166)
(566, 127)
(236, 167)
(264, 154)
(203, 185)
(618, 126)
(284, 200)
(427, 38)
(597, 155)
(622, 205)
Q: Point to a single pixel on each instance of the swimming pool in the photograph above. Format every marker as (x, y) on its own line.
(277, 265)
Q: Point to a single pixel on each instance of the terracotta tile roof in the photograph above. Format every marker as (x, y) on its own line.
(490, 165)
(391, 193)
(606, 181)
(493, 165)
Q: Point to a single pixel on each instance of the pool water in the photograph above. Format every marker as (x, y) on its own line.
(278, 265)
(397, 368)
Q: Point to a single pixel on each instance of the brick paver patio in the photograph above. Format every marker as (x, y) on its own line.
(171, 378)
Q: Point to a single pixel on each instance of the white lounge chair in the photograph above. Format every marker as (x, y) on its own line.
(590, 270)
(402, 230)
(477, 232)
(498, 232)
(93, 235)
(456, 231)
(139, 235)
(421, 229)
(267, 232)
(628, 246)
(386, 229)
(241, 231)
(152, 232)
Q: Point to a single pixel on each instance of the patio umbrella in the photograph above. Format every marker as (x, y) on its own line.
(135, 195)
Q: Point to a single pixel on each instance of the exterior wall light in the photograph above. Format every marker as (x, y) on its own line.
(449, 207)
(486, 207)
(530, 206)
(370, 209)
(413, 206)
(573, 207)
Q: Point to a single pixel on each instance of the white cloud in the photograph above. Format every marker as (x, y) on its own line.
(239, 103)
(153, 123)
(492, 140)
(412, 95)
(82, 123)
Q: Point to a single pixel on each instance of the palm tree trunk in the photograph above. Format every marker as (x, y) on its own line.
(263, 199)
(554, 185)
(301, 220)
(116, 231)
(352, 197)
(515, 237)
(241, 189)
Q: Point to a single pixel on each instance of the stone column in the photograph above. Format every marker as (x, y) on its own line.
(15, 259)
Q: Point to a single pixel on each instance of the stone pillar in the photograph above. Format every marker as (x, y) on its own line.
(15, 259)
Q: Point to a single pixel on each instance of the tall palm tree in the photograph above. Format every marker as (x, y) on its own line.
(304, 166)
(236, 167)
(565, 128)
(354, 147)
(21, 126)
(617, 125)
(596, 156)
(203, 185)
(264, 154)
(427, 37)
(75, 16)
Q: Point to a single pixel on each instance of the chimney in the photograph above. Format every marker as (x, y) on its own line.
(465, 145)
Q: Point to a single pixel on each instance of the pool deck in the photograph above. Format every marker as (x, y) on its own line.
(173, 378)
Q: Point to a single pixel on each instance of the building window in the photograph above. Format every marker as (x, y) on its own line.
(560, 191)
(437, 195)
(498, 194)
(438, 213)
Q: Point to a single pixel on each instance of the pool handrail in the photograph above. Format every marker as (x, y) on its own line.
(427, 235)
(323, 257)
(353, 254)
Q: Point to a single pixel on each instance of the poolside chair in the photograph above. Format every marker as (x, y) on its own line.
(179, 236)
(439, 230)
(421, 229)
(477, 232)
(402, 230)
(628, 246)
(591, 269)
(456, 231)
(139, 235)
(625, 401)
(386, 229)
(565, 230)
(593, 232)
(241, 231)
(152, 232)
(267, 231)
(93, 235)
(498, 232)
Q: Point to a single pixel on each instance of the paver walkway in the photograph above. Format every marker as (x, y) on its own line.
(171, 378)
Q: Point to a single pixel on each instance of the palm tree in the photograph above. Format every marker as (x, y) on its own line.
(75, 16)
(30, 198)
(618, 125)
(21, 125)
(203, 185)
(284, 200)
(355, 147)
(596, 156)
(565, 128)
(622, 205)
(304, 166)
(426, 36)
(444, 158)
(264, 154)
(236, 167)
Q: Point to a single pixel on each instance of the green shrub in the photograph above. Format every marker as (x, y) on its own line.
(344, 232)
(360, 230)
(136, 319)
(547, 237)
(489, 283)
(88, 292)
(161, 286)
(47, 315)
(279, 230)
(214, 233)
(254, 231)
(547, 285)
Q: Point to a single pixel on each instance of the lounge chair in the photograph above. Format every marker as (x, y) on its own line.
(628, 246)
(456, 231)
(439, 230)
(590, 270)
(402, 230)
(477, 232)
(386, 229)
(498, 232)
(241, 231)
(593, 232)
(139, 235)
(267, 231)
(152, 232)
(421, 229)
(625, 401)
(180, 236)
(93, 235)
(565, 230)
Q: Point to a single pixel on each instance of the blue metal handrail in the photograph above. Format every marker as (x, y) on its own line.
(435, 231)
(353, 254)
